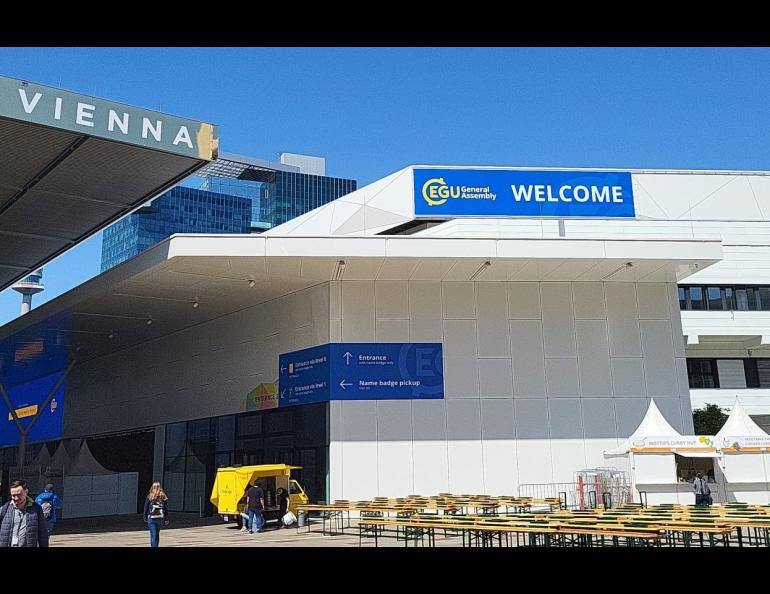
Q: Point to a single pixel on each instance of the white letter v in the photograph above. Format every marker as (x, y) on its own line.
(29, 107)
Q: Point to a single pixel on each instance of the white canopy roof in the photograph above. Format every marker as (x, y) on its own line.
(740, 424)
(654, 424)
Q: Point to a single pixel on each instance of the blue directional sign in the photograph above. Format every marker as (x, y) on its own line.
(382, 371)
(361, 371)
(304, 376)
(522, 193)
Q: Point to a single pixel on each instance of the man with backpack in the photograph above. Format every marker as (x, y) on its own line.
(49, 502)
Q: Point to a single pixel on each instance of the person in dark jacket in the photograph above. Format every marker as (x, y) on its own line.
(255, 503)
(282, 495)
(156, 512)
(21, 520)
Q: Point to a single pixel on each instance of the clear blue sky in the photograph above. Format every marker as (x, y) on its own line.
(372, 111)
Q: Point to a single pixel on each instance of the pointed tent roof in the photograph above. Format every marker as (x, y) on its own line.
(85, 463)
(654, 424)
(739, 423)
(60, 458)
(43, 457)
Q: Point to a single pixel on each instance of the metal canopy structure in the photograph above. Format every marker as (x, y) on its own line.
(189, 280)
(71, 164)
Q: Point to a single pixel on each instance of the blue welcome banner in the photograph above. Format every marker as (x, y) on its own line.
(509, 193)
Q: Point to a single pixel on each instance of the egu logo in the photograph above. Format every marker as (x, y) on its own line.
(435, 191)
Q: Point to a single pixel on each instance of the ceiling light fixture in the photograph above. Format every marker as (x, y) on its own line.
(252, 282)
(340, 270)
(195, 304)
(480, 270)
(624, 266)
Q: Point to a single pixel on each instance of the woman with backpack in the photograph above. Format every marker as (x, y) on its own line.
(156, 512)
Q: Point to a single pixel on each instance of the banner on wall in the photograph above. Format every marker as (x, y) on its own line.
(522, 193)
(27, 398)
(361, 371)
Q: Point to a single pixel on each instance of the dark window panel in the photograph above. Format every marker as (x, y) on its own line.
(763, 373)
(729, 298)
(752, 377)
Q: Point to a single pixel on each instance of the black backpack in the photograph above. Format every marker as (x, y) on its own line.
(156, 509)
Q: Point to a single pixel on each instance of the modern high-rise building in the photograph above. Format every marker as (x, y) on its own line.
(234, 194)
(180, 210)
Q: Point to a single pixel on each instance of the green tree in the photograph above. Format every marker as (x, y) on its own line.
(709, 420)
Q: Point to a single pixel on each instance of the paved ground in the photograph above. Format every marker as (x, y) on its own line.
(191, 531)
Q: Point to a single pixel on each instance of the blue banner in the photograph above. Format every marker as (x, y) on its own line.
(303, 376)
(361, 371)
(27, 398)
(509, 193)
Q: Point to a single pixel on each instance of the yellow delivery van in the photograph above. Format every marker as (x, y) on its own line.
(231, 483)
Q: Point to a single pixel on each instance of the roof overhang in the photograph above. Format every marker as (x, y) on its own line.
(224, 274)
(71, 164)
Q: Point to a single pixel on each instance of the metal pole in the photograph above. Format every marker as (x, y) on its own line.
(23, 434)
(22, 454)
(24, 431)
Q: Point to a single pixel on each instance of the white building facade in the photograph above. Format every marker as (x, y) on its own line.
(556, 331)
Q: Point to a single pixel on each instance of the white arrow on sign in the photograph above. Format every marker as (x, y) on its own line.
(347, 357)
(343, 384)
(283, 369)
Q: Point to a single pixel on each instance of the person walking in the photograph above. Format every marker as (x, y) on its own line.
(156, 512)
(49, 502)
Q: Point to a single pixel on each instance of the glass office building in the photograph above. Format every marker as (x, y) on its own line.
(180, 210)
(234, 195)
(297, 193)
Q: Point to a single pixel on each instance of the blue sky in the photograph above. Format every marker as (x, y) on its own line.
(372, 111)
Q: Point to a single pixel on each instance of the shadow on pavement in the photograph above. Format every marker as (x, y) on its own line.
(132, 522)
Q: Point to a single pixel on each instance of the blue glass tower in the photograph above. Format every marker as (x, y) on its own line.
(180, 210)
(235, 195)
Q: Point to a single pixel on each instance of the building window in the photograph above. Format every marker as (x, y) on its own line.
(702, 373)
(714, 296)
(731, 373)
(763, 372)
(724, 298)
(736, 374)
(696, 298)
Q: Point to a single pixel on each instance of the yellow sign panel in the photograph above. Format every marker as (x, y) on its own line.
(27, 411)
(262, 397)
